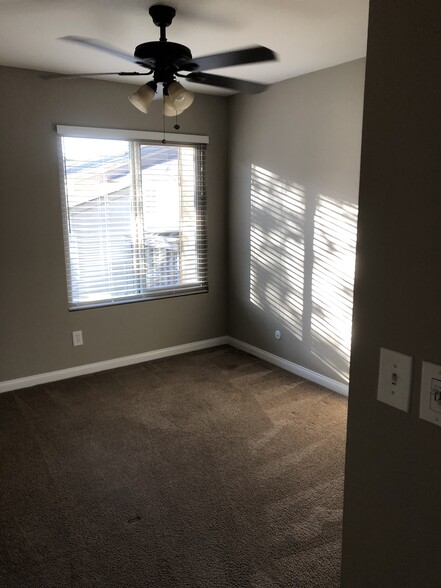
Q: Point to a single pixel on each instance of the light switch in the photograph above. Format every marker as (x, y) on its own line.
(395, 379)
(430, 395)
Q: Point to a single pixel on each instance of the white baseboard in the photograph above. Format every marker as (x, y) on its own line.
(289, 366)
(81, 370)
(100, 366)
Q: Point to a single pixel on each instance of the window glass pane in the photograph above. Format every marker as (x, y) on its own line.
(98, 195)
(161, 207)
(160, 188)
(191, 231)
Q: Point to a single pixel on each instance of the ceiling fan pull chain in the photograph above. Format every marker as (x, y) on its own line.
(164, 141)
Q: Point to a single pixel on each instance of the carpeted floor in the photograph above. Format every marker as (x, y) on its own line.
(207, 470)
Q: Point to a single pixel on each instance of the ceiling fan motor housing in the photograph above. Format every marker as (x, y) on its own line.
(164, 58)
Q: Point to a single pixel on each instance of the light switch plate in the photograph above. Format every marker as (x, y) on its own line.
(395, 379)
(430, 394)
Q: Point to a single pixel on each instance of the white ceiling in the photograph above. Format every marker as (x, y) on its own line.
(307, 35)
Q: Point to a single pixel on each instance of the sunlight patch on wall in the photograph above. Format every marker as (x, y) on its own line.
(335, 233)
(277, 248)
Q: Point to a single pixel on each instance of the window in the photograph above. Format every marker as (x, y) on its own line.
(134, 215)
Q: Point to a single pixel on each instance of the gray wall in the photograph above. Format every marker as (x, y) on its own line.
(294, 159)
(392, 518)
(35, 325)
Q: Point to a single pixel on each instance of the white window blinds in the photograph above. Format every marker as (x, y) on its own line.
(134, 216)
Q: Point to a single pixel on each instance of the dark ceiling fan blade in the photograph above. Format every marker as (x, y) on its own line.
(224, 82)
(254, 54)
(55, 76)
(101, 46)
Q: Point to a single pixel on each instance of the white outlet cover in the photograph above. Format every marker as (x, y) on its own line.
(430, 393)
(395, 379)
(77, 338)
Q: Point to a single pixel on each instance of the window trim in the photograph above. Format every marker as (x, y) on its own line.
(129, 135)
(150, 137)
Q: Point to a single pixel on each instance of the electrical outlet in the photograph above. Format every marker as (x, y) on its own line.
(77, 338)
(395, 379)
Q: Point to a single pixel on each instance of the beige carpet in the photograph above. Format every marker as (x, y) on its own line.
(212, 469)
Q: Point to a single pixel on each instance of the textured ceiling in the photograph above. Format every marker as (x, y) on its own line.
(307, 35)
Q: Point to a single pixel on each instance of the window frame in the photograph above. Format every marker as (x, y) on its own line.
(138, 138)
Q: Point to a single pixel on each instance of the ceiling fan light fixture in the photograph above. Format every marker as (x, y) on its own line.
(180, 98)
(143, 96)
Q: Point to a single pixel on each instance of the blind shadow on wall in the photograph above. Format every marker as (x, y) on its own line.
(302, 260)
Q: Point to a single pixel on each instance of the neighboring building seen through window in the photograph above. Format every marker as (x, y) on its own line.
(135, 226)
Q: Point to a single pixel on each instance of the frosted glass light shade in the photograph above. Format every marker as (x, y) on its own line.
(168, 109)
(143, 97)
(180, 98)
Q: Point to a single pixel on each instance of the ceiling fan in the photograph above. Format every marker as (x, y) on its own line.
(166, 60)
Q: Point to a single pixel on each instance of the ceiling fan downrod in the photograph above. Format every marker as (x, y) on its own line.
(162, 17)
